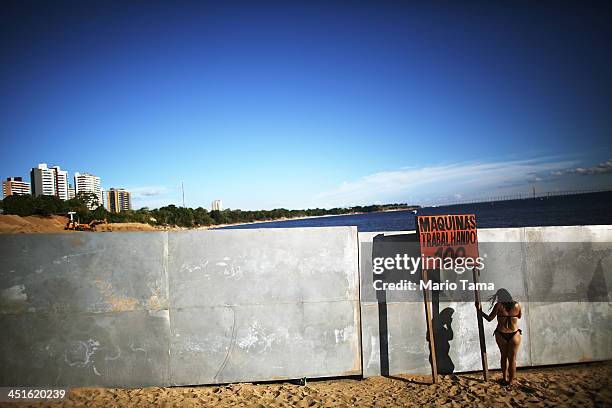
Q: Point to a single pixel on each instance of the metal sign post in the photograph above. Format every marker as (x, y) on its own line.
(481, 336)
(430, 333)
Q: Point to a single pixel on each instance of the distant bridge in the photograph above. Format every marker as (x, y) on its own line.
(521, 196)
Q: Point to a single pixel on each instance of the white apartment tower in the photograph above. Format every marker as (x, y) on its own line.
(49, 181)
(88, 183)
(61, 182)
(216, 205)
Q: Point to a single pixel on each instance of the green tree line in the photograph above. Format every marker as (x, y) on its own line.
(170, 215)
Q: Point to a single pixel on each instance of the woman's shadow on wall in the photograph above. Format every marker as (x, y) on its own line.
(441, 320)
(443, 334)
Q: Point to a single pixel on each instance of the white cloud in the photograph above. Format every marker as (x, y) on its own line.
(601, 168)
(425, 183)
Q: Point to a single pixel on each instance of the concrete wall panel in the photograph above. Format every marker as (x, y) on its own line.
(253, 305)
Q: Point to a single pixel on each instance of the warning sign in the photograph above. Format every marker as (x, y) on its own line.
(452, 237)
(448, 236)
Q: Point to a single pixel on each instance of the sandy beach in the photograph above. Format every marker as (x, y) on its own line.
(584, 385)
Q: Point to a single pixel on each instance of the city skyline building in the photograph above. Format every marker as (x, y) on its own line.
(61, 182)
(216, 205)
(118, 200)
(15, 186)
(88, 183)
(51, 181)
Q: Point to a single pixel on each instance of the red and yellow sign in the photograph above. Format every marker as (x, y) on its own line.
(448, 236)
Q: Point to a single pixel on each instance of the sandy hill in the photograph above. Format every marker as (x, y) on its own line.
(16, 224)
(13, 224)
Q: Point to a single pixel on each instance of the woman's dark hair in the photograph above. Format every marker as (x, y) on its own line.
(504, 297)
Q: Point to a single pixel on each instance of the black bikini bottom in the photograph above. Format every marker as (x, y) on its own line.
(507, 336)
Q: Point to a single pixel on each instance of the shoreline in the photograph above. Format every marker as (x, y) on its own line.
(10, 224)
(303, 218)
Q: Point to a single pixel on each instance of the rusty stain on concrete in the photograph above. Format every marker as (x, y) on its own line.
(118, 303)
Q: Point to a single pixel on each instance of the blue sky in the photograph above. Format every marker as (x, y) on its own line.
(304, 104)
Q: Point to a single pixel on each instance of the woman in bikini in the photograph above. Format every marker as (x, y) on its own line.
(507, 334)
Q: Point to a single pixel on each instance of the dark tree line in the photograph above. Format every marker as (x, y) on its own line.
(170, 215)
(25, 205)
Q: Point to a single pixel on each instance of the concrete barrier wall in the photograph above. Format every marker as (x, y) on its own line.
(564, 290)
(194, 307)
(264, 304)
(202, 307)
